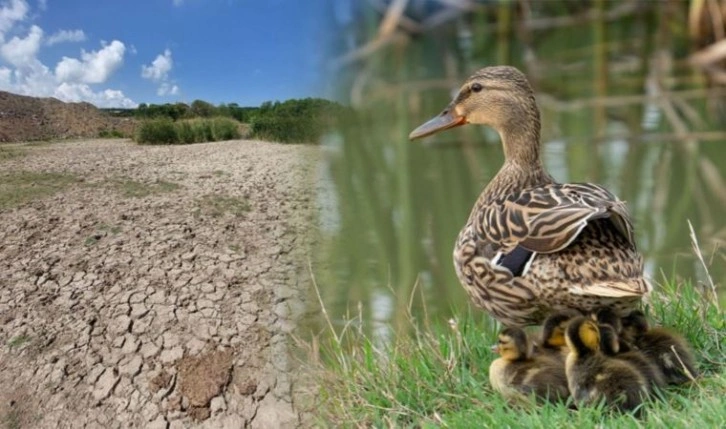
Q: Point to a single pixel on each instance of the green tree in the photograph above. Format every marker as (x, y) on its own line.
(202, 108)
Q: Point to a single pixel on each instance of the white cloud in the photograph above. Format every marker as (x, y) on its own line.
(159, 71)
(23, 73)
(66, 36)
(10, 13)
(159, 68)
(167, 89)
(93, 67)
(75, 92)
(34, 79)
(5, 74)
(20, 52)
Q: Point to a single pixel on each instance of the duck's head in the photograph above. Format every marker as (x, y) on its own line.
(513, 345)
(583, 336)
(607, 316)
(635, 323)
(499, 97)
(553, 329)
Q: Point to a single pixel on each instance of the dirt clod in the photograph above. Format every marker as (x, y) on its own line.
(202, 378)
(160, 381)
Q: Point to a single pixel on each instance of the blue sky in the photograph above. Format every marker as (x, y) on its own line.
(116, 53)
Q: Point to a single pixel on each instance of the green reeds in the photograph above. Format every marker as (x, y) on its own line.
(166, 131)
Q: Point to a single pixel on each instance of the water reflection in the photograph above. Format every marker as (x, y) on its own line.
(620, 107)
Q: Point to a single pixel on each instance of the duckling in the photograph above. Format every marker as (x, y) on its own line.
(593, 377)
(611, 346)
(553, 334)
(607, 316)
(670, 351)
(518, 373)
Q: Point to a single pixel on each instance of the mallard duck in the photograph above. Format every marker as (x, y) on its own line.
(518, 373)
(552, 339)
(531, 245)
(670, 351)
(593, 377)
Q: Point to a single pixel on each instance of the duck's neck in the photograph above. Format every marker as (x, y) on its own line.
(520, 141)
(522, 166)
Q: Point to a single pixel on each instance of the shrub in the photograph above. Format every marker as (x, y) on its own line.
(225, 129)
(164, 131)
(204, 130)
(113, 133)
(295, 121)
(288, 129)
(157, 131)
(185, 132)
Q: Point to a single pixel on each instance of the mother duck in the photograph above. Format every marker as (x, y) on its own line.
(531, 245)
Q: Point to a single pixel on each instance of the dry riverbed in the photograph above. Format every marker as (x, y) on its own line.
(150, 286)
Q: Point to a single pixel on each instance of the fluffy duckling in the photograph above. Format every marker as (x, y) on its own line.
(610, 346)
(613, 344)
(607, 316)
(670, 351)
(518, 373)
(593, 377)
(552, 341)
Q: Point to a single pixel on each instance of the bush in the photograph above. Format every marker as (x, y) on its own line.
(185, 132)
(110, 134)
(225, 129)
(164, 131)
(288, 129)
(157, 131)
(295, 121)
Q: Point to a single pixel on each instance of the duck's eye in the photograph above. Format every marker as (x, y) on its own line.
(476, 87)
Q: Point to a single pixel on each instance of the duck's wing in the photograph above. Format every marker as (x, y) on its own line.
(548, 218)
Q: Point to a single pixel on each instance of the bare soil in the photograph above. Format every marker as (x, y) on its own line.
(154, 286)
(24, 118)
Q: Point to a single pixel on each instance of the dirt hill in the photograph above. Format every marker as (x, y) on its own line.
(25, 118)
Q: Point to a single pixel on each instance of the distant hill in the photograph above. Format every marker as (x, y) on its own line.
(24, 118)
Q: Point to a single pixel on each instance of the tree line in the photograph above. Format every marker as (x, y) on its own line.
(294, 120)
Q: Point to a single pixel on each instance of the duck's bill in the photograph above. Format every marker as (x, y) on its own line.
(447, 119)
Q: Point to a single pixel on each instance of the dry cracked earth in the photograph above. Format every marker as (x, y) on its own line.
(152, 287)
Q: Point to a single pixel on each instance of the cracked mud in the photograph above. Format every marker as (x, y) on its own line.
(152, 286)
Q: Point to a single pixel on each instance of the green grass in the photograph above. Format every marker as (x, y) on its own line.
(11, 420)
(134, 189)
(10, 153)
(438, 376)
(20, 187)
(216, 205)
(18, 341)
(113, 133)
(113, 229)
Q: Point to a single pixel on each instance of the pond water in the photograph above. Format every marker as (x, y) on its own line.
(621, 106)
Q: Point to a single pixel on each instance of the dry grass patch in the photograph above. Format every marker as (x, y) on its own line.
(134, 189)
(216, 205)
(7, 152)
(20, 187)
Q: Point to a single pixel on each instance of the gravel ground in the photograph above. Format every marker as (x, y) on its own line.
(157, 287)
